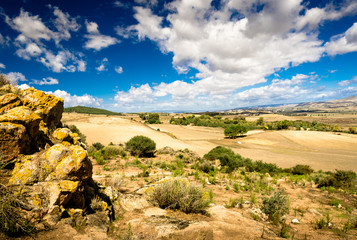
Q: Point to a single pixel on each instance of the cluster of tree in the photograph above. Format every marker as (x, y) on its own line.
(239, 125)
(150, 118)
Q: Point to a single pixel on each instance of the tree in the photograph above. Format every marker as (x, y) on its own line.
(153, 118)
(233, 130)
(260, 121)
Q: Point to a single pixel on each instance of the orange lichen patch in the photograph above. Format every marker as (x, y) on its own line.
(9, 101)
(39, 101)
(62, 133)
(19, 115)
(43, 127)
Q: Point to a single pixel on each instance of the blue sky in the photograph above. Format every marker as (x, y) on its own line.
(192, 55)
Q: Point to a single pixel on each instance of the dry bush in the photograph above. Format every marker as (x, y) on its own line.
(12, 222)
(117, 181)
(177, 193)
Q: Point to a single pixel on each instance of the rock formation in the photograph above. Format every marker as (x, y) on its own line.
(51, 169)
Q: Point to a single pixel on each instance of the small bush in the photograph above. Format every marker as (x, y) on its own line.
(302, 170)
(114, 150)
(179, 194)
(98, 145)
(12, 222)
(141, 146)
(276, 206)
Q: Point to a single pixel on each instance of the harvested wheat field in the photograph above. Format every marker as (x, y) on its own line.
(320, 150)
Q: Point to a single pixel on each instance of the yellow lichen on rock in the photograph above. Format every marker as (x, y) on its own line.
(9, 101)
(69, 162)
(20, 115)
(64, 134)
(25, 172)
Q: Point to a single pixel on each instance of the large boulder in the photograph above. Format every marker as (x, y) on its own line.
(62, 161)
(14, 140)
(48, 107)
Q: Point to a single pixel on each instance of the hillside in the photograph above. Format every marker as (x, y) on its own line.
(345, 104)
(90, 110)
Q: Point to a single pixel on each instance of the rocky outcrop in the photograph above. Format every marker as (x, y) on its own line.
(25, 120)
(51, 169)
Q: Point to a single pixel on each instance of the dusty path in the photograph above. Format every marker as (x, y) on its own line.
(320, 150)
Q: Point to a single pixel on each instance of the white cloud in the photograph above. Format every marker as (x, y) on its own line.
(2, 66)
(2, 40)
(348, 82)
(223, 50)
(64, 24)
(46, 81)
(81, 65)
(96, 40)
(57, 63)
(30, 26)
(23, 86)
(102, 66)
(120, 4)
(14, 77)
(74, 100)
(119, 69)
(34, 29)
(141, 94)
(232, 47)
(343, 43)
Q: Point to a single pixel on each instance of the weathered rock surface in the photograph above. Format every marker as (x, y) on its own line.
(26, 116)
(14, 140)
(52, 172)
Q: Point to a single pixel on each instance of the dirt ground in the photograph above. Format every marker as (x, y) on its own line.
(320, 150)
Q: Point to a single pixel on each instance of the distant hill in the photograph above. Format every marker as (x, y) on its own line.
(345, 104)
(90, 110)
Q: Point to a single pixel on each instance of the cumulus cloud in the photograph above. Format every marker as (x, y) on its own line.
(119, 69)
(142, 94)
(58, 62)
(343, 43)
(102, 66)
(64, 24)
(23, 86)
(33, 32)
(15, 77)
(46, 81)
(232, 46)
(223, 48)
(2, 66)
(74, 100)
(30, 26)
(348, 82)
(96, 40)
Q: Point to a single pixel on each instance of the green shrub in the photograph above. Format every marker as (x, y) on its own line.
(98, 145)
(141, 146)
(178, 193)
(205, 166)
(339, 179)
(226, 156)
(301, 170)
(233, 130)
(114, 150)
(276, 206)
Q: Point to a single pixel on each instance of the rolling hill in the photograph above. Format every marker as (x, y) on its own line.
(90, 110)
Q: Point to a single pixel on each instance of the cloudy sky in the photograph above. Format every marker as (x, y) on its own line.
(154, 55)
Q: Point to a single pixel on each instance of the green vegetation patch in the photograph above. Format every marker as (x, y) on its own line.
(90, 110)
